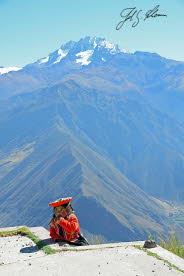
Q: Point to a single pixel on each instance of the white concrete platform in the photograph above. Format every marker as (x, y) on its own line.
(119, 259)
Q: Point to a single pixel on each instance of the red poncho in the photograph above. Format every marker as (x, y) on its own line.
(67, 229)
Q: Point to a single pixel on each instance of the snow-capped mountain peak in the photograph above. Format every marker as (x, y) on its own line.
(53, 58)
(86, 50)
(94, 49)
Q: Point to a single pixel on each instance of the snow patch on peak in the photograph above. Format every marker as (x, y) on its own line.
(94, 43)
(84, 57)
(8, 69)
(107, 44)
(124, 51)
(61, 55)
(112, 48)
(44, 60)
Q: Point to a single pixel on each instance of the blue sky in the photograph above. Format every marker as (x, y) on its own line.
(32, 29)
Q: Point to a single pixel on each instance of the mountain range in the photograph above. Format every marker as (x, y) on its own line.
(98, 123)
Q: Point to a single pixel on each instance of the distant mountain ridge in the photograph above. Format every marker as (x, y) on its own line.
(89, 121)
(84, 51)
(69, 57)
(143, 71)
(94, 49)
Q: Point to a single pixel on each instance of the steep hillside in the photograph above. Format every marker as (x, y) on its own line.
(144, 144)
(60, 165)
(88, 121)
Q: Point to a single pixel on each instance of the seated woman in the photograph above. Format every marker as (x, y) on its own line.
(64, 225)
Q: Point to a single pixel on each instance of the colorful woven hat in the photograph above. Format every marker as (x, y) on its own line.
(60, 201)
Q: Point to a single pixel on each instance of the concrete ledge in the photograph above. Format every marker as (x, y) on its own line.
(43, 235)
(169, 256)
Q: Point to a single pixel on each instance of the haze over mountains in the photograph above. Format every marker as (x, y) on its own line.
(100, 124)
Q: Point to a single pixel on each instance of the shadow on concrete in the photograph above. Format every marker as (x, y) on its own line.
(29, 249)
(41, 244)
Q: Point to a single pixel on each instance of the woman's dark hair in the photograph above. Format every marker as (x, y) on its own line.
(68, 205)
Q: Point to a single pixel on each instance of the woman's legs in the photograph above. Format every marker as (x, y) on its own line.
(81, 241)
